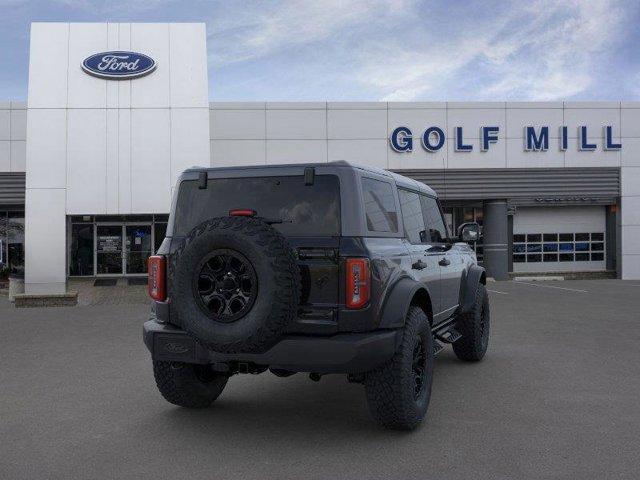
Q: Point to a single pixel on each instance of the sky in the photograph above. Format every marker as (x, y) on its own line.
(377, 50)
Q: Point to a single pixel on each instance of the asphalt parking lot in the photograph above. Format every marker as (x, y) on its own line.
(558, 396)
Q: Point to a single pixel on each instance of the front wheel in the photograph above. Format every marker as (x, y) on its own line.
(188, 385)
(398, 392)
(474, 327)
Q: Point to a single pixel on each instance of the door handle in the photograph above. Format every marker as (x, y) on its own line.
(444, 262)
(419, 265)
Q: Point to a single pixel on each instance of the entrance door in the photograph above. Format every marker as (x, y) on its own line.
(109, 250)
(138, 248)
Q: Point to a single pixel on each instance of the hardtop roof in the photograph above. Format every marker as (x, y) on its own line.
(400, 180)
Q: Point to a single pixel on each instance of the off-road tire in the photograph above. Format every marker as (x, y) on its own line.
(474, 327)
(188, 385)
(278, 284)
(390, 387)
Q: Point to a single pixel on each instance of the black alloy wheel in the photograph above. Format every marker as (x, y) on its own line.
(226, 285)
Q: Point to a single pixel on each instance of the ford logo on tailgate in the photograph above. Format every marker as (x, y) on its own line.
(118, 65)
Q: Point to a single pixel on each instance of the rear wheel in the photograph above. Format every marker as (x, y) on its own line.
(399, 391)
(474, 327)
(188, 385)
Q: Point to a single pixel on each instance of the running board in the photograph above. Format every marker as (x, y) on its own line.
(448, 336)
(437, 347)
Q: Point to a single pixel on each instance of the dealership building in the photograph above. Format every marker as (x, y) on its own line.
(116, 111)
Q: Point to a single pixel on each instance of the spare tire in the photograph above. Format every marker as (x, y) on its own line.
(235, 284)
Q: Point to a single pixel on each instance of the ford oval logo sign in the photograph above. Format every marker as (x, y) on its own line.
(118, 65)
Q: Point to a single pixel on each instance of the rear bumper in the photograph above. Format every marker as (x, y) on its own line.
(341, 353)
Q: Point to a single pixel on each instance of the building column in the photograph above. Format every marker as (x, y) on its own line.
(496, 239)
(45, 241)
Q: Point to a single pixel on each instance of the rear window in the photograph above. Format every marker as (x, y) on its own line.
(312, 210)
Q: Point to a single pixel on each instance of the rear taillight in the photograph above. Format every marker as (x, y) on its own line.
(358, 283)
(242, 212)
(156, 286)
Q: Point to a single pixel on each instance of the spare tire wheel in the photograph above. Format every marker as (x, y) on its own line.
(235, 284)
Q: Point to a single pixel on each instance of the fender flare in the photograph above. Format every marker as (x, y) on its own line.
(398, 301)
(474, 276)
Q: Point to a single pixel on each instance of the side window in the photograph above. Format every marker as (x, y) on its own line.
(436, 231)
(379, 206)
(412, 216)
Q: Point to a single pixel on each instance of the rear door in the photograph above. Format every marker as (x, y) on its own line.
(449, 261)
(425, 267)
(308, 215)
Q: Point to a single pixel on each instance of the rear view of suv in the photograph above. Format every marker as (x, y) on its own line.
(318, 268)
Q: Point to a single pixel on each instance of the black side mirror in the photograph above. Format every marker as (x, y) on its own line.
(469, 232)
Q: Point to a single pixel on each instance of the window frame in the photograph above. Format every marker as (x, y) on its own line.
(396, 198)
(447, 238)
(404, 227)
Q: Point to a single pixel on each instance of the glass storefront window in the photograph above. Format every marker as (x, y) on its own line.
(15, 241)
(159, 234)
(114, 245)
(81, 254)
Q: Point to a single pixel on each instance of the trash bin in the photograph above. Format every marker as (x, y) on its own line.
(16, 285)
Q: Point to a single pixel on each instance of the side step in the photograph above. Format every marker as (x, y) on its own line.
(448, 336)
(445, 333)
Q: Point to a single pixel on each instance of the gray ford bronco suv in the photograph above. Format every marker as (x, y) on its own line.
(318, 268)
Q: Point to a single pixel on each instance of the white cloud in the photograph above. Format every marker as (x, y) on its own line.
(546, 51)
(243, 34)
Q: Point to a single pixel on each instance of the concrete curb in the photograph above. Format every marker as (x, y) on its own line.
(68, 299)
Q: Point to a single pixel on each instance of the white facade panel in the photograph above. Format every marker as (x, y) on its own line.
(111, 161)
(296, 124)
(630, 154)
(85, 91)
(18, 124)
(86, 161)
(47, 148)
(48, 62)
(630, 182)
(366, 152)
(18, 156)
(356, 124)
(227, 153)
(238, 124)
(153, 90)
(630, 120)
(631, 239)
(189, 140)
(188, 56)
(296, 151)
(124, 161)
(150, 160)
(5, 156)
(5, 124)
(630, 211)
(418, 158)
(494, 157)
(597, 158)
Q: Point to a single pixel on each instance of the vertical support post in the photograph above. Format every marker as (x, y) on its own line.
(496, 239)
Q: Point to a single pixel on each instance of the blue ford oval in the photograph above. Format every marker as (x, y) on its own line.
(118, 65)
